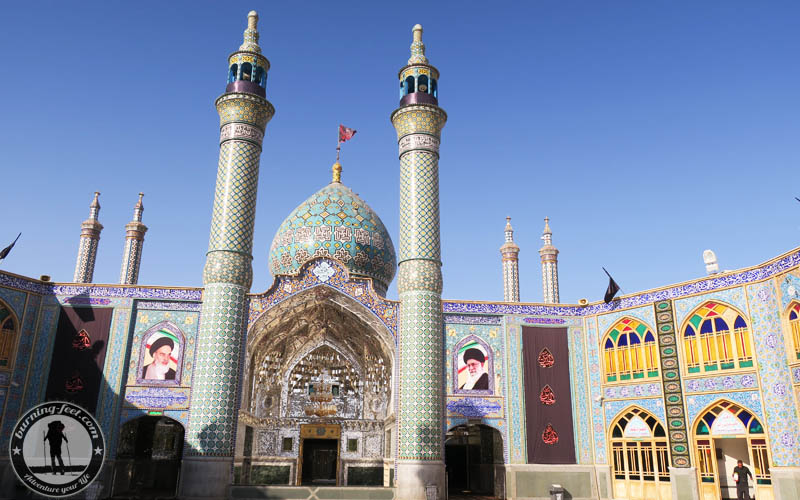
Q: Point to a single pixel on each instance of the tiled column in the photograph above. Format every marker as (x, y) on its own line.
(420, 417)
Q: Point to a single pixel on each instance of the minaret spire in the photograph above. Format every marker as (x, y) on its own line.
(90, 239)
(420, 419)
(244, 113)
(134, 244)
(510, 254)
(549, 257)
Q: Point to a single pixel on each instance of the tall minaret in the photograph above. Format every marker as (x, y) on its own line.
(134, 243)
(244, 112)
(419, 121)
(510, 253)
(549, 255)
(90, 238)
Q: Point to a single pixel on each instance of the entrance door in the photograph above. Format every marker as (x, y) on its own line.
(148, 458)
(320, 458)
(471, 454)
(724, 434)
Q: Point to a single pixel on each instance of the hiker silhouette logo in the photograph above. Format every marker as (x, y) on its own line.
(57, 449)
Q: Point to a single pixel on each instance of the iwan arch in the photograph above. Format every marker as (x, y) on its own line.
(321, 387)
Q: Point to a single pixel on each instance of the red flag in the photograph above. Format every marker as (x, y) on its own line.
(345, 134)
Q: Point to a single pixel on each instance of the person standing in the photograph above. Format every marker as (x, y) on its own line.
(740, 475)
(55, 434)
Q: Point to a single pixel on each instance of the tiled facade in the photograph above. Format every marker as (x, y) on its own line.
(424, 332)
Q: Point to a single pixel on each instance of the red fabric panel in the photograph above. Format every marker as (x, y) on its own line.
(554, 444)
(76, 370)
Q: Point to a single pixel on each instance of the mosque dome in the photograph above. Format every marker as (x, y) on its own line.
(335, 222)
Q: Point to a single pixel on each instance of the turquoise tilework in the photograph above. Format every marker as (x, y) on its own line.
(212, 422)
(596, 390)
(335, 222)
(420, 350)
(109, 401)
(515, 410)
(23, 368)
(780, 415)
(15, 299)
(42, 350)
(235, 197)
(419, 204)
(580, 400)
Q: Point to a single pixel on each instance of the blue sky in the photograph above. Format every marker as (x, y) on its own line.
(646, 131)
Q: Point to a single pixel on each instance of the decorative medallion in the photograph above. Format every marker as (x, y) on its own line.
(81, 340)
(323, 271)
(546, 359)
(547, 397)
(549, 436)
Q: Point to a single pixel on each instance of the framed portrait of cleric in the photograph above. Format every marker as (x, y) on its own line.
(473, 367)
(161, 355)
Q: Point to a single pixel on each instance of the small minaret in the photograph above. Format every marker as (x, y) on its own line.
(510, 253)
(549, 255)
(134, 242)
(90, 238)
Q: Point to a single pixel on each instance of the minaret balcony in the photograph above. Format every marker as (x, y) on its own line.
(418, 98)
(247, 87)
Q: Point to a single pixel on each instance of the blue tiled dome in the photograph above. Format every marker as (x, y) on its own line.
(335, 222)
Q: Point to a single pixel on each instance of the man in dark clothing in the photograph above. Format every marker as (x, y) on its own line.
(55, 434)
(740, 474)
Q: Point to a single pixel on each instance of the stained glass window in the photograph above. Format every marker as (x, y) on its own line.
(630, 351)
(716, 337)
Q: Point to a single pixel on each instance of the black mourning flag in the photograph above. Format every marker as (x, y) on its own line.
(612, 289)
(4, 252)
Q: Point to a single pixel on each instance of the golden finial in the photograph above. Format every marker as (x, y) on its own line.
(417, 47)
(337, 172)
(547, 225)
(95, 201)
(251, 34)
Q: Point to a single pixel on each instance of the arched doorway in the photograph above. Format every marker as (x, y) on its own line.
(640, 456)
(148, 458)
(316, 338)
(724, 433)
(472, 454)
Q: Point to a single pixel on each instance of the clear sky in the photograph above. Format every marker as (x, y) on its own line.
(646, 131)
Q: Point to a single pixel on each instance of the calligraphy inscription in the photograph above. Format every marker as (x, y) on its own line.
(240, 131)
(419, 141)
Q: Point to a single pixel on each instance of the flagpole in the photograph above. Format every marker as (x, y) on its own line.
(338, 143)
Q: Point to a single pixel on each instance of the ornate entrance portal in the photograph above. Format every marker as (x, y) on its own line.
(318, 338)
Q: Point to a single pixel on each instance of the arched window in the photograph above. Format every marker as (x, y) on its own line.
(716, 433)
(422, 84)
(434, 88)
(794, 327)
(640, 456)
(234, 72)
(247, 71)
(8, 334)
(259, 78)
(410, 85)
(716, 337)
(630, 351)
